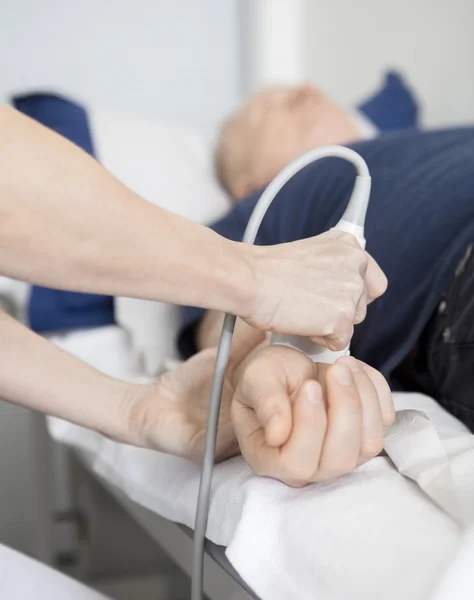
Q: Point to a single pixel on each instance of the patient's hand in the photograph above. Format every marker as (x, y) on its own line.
(301, 422)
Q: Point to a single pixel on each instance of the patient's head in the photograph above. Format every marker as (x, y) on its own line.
(274, 127)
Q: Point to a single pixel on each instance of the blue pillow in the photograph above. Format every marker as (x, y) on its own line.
(393, 107)
(53, 310)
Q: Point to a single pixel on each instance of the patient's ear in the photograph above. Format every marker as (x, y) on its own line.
(240, 190)
(308, 89)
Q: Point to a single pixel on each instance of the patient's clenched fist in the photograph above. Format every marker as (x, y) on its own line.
(301, 422)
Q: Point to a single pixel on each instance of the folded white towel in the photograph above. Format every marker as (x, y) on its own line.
(372, 535)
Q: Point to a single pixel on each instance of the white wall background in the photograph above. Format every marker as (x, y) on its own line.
(432, 41)
(170, 59)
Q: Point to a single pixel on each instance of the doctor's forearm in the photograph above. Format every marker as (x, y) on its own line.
(40, 376)
(66, 222)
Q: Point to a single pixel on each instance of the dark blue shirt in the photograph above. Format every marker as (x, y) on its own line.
(53, 310)
(419, 222)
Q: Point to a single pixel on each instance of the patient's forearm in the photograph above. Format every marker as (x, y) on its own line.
(66, 222)
(36, 374)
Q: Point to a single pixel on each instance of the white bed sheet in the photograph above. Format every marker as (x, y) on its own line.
(373, 534)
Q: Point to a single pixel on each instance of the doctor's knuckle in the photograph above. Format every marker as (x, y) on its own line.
(348, 239)
(357, 259)
(345, 310)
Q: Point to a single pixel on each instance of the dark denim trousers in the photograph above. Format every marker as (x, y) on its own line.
(442, 364)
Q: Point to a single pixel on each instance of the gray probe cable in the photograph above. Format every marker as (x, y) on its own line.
(225, 342)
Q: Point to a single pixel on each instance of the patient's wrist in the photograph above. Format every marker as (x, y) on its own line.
(239, 361)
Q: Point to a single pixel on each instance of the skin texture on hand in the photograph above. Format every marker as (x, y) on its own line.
(310, 406)
(171, 414)
(301, 422)
(168, 415)
(317, 287)
(293, 420)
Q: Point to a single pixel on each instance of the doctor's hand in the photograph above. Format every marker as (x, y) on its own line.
(170, 415)
(301, 422)
(317, 287)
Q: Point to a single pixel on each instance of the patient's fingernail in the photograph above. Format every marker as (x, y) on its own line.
(342, 374)
(312, 393)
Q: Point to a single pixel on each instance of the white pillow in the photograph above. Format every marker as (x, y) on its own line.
(171, 167)
(14, 297)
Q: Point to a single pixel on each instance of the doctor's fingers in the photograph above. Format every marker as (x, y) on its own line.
(375, 286)
(361, 309)
(376, 280)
